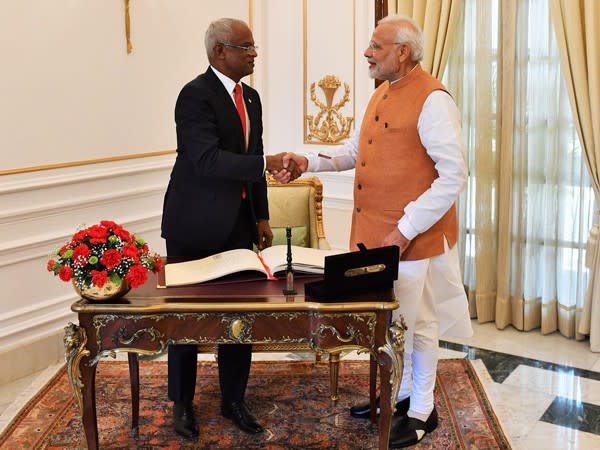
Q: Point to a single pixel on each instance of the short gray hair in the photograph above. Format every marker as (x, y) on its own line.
(407, 32)
(219, 30)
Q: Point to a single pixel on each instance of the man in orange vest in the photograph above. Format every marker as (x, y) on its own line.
(410, 169)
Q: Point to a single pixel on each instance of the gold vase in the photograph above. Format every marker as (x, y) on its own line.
(110, 291)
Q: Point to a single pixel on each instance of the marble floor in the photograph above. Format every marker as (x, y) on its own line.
(544, 389)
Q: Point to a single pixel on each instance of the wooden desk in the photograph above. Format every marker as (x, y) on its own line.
(150, 318)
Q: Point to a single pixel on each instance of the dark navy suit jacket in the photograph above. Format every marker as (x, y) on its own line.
(204, 193)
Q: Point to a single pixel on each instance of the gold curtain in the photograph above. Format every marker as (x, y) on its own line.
(525, 214)
(438, 19)
(577, 25)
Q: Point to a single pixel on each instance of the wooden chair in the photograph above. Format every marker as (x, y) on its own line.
(299, 205)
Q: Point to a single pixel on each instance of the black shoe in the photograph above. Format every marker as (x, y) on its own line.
(184, 420)
(241, 416)
(410, 431)
(363, 411)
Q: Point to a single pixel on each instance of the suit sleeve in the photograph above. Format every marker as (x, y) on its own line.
(201, 129)
(259, 190)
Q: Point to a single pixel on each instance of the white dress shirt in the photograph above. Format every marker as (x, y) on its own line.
(440, 133)
(229, 85)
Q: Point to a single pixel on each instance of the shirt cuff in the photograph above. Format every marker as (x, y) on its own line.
(407, 229)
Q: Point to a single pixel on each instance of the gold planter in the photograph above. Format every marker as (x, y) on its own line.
(109, 291)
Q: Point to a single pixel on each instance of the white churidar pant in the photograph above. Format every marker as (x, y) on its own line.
(433, 302)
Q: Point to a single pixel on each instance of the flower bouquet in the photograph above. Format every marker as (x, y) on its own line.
(104, 261)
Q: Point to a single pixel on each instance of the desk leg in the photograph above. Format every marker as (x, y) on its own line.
(385, 418)
(134, 379)
(373, 388)
(390, 377)
(334, 370)
(90, 424)
(83, 380)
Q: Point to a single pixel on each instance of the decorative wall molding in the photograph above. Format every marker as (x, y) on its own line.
(327, 51)
(66, 177)
(42, 210)
(29, 321)
(56, 208)
(85, 162)
(37, 247)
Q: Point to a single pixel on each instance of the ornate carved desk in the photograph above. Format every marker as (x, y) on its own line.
(150, 318)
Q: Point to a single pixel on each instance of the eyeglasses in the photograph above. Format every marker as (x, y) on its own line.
(246, 48)
(374, 46)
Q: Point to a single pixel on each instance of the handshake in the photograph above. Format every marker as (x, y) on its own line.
(286, 167)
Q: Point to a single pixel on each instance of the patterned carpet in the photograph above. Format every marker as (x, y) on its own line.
(291, 398)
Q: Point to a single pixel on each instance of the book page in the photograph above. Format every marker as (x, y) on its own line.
(309, 260)
(212, 267)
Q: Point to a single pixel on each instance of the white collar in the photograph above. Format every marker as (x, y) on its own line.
(227, 82)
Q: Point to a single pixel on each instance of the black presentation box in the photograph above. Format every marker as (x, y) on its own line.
(356, 273)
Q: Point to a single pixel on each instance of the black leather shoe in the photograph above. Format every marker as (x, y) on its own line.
(363, 411)
(241, 416)
(184, 420)
(410, 431)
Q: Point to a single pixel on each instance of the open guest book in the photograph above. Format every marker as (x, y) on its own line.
(270, 262)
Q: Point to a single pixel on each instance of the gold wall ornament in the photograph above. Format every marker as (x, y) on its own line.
(128, 28)
(74, 341)
(328, 126)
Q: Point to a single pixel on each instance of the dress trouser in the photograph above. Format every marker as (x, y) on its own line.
(426, 289)
(233, 359)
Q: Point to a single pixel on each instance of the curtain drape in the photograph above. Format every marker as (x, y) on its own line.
(577, 24)
(525, 214)
(438, 20)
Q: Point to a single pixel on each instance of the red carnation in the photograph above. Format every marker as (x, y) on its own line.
(51, 265)
(81, 254)
(111, 258)
(157, 264)
(65, 273)
(131, 250)
(79, 236)
(137, 275)
(123, 234)
(109, 224)
(99, 278)
(97, 234)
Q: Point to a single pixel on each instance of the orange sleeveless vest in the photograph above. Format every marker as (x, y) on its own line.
(393, 168)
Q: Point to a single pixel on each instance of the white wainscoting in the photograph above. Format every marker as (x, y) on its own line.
(337, 206)
(40, 211)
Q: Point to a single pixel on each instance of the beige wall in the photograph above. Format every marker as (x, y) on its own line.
(70, 92)
(69, 89)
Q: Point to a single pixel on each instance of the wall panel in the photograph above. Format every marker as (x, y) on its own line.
(70, 93)
(69, 89)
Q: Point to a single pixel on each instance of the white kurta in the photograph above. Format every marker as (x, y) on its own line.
(440, 133)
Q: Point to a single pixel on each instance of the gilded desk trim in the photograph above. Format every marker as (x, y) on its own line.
(325, 326)
(239, 326)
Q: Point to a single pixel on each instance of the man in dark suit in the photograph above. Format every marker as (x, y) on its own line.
(217, 200)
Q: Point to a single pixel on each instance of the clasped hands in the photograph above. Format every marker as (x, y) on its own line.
(286, 167)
